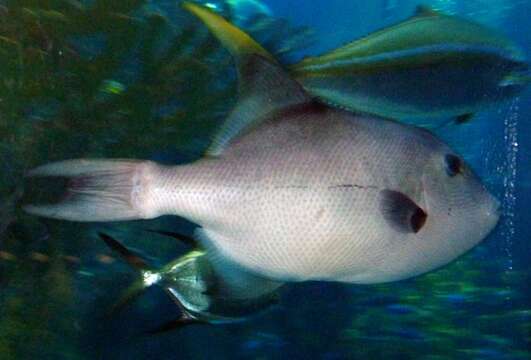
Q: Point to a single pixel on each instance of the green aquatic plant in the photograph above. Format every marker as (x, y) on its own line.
(55, 84)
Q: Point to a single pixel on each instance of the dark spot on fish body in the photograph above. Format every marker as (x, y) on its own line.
(418, 219)
(401, 213)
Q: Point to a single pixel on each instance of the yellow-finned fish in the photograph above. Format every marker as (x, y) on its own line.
(431, 65)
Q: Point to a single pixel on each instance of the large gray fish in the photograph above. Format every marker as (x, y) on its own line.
(294, 190)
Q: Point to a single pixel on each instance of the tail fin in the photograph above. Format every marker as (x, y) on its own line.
(100, 190)
(147, 278)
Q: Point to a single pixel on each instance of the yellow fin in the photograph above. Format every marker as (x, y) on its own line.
(236, 41)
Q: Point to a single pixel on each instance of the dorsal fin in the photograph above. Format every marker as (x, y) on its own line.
(425, 10)
(264, 86)
(235, 40)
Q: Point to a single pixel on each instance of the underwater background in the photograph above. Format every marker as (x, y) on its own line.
(143, 79)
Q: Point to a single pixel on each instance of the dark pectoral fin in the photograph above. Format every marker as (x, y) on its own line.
(401, 213)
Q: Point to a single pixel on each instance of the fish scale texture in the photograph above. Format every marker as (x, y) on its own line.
(298, 198)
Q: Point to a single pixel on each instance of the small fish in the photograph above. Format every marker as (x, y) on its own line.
(201, 295)
(294, 190)
(431, 65)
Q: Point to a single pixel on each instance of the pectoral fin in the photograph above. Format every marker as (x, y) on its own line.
(401, 213)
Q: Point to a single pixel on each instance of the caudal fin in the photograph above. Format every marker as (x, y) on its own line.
(100, 190)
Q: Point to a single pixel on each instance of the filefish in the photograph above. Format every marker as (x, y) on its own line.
(198, 291)
(292, 189)
(429, 66)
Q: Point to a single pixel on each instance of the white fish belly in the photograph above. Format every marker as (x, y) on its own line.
(302, 234)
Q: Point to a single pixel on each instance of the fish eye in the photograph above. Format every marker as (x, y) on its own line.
(453, 165)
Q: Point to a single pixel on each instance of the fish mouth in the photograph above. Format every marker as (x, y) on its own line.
(495, 211)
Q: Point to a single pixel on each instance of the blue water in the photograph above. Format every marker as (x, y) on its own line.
(478, 307)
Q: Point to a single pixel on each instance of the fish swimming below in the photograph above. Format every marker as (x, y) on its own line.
(293, 190)
(199, 292)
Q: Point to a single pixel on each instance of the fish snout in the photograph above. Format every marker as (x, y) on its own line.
(495, 210)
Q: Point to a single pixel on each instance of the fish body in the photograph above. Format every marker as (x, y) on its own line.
(308, 187)
(431, 65)
(294, 190)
